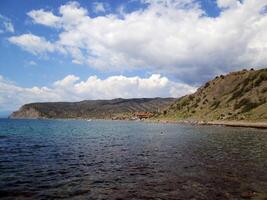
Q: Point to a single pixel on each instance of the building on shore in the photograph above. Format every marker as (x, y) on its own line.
(144, 115)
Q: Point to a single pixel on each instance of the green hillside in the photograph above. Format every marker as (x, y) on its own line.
(238, 95)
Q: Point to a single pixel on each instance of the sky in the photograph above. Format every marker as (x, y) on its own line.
(89, 49)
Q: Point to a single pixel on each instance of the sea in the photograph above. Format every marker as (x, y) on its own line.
(78, 159)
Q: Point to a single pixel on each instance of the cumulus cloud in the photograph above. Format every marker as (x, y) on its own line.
(71, 88)
(13, 96)
(35, 44)
(169, 36)
(43, 17)
(67, 81)
(6, 25)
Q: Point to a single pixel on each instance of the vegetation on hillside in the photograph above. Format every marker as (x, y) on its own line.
(94, 109)
(238, 95)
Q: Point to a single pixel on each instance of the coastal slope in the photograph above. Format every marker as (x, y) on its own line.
(237, 96)
(93, 109)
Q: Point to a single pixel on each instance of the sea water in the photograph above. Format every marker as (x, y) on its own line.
(72, 159)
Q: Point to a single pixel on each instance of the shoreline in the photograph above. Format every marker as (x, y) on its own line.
(260, 125)
(243, 124)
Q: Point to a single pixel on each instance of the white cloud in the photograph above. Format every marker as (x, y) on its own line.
(32, 63)
(99, 7)
(169, 36)
(71, 89)
(9, 27)
(13, 96)
(228, 3)
(6, 25)
(67, 81)
(44, 17)
(33, 43)
(72, 14)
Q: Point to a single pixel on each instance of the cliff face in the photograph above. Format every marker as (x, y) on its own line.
(95, 109)
(236, 96)
(29, 112)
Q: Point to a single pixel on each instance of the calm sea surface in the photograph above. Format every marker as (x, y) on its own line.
(61, 159)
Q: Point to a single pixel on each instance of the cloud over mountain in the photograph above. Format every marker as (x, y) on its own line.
(71, 88)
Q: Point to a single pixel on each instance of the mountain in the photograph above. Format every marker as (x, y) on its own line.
(236, 96)
(95, 109)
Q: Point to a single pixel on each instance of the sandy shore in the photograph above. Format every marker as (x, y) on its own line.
(261, 125)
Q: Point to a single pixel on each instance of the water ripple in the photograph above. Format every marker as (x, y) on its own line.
(54, 159)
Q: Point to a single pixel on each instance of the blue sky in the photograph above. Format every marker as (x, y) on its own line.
(47, 70)
(50, 49)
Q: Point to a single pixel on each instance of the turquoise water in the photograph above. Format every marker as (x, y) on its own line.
(64, 159)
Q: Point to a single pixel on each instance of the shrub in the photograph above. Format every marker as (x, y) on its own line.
(198, 100)
(247, 105)
(237, 93)
(191, 97)
(215, 104)
(261, 78)
(241, 103)
(195, 105)
(207, 85)
(264, 90)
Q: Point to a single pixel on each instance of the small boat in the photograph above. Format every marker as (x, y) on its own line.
(89, 120)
